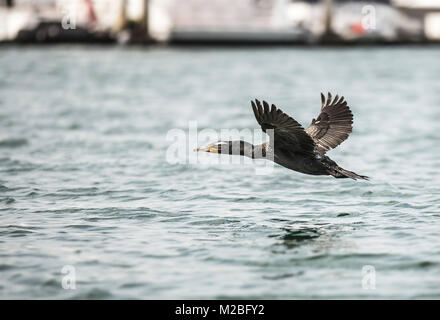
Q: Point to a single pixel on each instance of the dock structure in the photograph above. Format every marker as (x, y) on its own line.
(426, 11)
(283, 21)
(229, 21)
(72, 20)
(220, 21)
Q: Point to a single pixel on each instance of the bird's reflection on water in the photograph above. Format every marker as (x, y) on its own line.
(306, 241)
(287, 246)
(293, 238)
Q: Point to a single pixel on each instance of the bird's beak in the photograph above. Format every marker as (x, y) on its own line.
(208, 148)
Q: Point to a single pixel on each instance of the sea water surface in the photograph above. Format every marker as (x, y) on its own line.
(91, 207)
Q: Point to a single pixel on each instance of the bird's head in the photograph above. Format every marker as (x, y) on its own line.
(216, 147)
(229, 147)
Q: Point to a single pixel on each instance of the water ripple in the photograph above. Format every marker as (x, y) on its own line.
(85, 182)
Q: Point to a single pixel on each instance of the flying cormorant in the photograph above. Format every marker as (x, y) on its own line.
(293, 147)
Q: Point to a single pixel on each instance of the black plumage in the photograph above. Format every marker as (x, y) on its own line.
(293, 147)
(333, 124)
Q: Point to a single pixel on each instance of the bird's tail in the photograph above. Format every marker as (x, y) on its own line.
(339, 172)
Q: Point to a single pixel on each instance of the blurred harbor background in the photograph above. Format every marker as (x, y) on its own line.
(85, 183)
(220, 21)
(84, 180)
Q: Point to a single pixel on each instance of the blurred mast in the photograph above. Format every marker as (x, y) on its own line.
(133, 30)
(144, 22)
(328, 16)
(91, 14)
(122, 19)
(328, 35)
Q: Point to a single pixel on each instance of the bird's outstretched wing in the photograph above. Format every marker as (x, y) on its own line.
(289, 135)
(333, 124)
